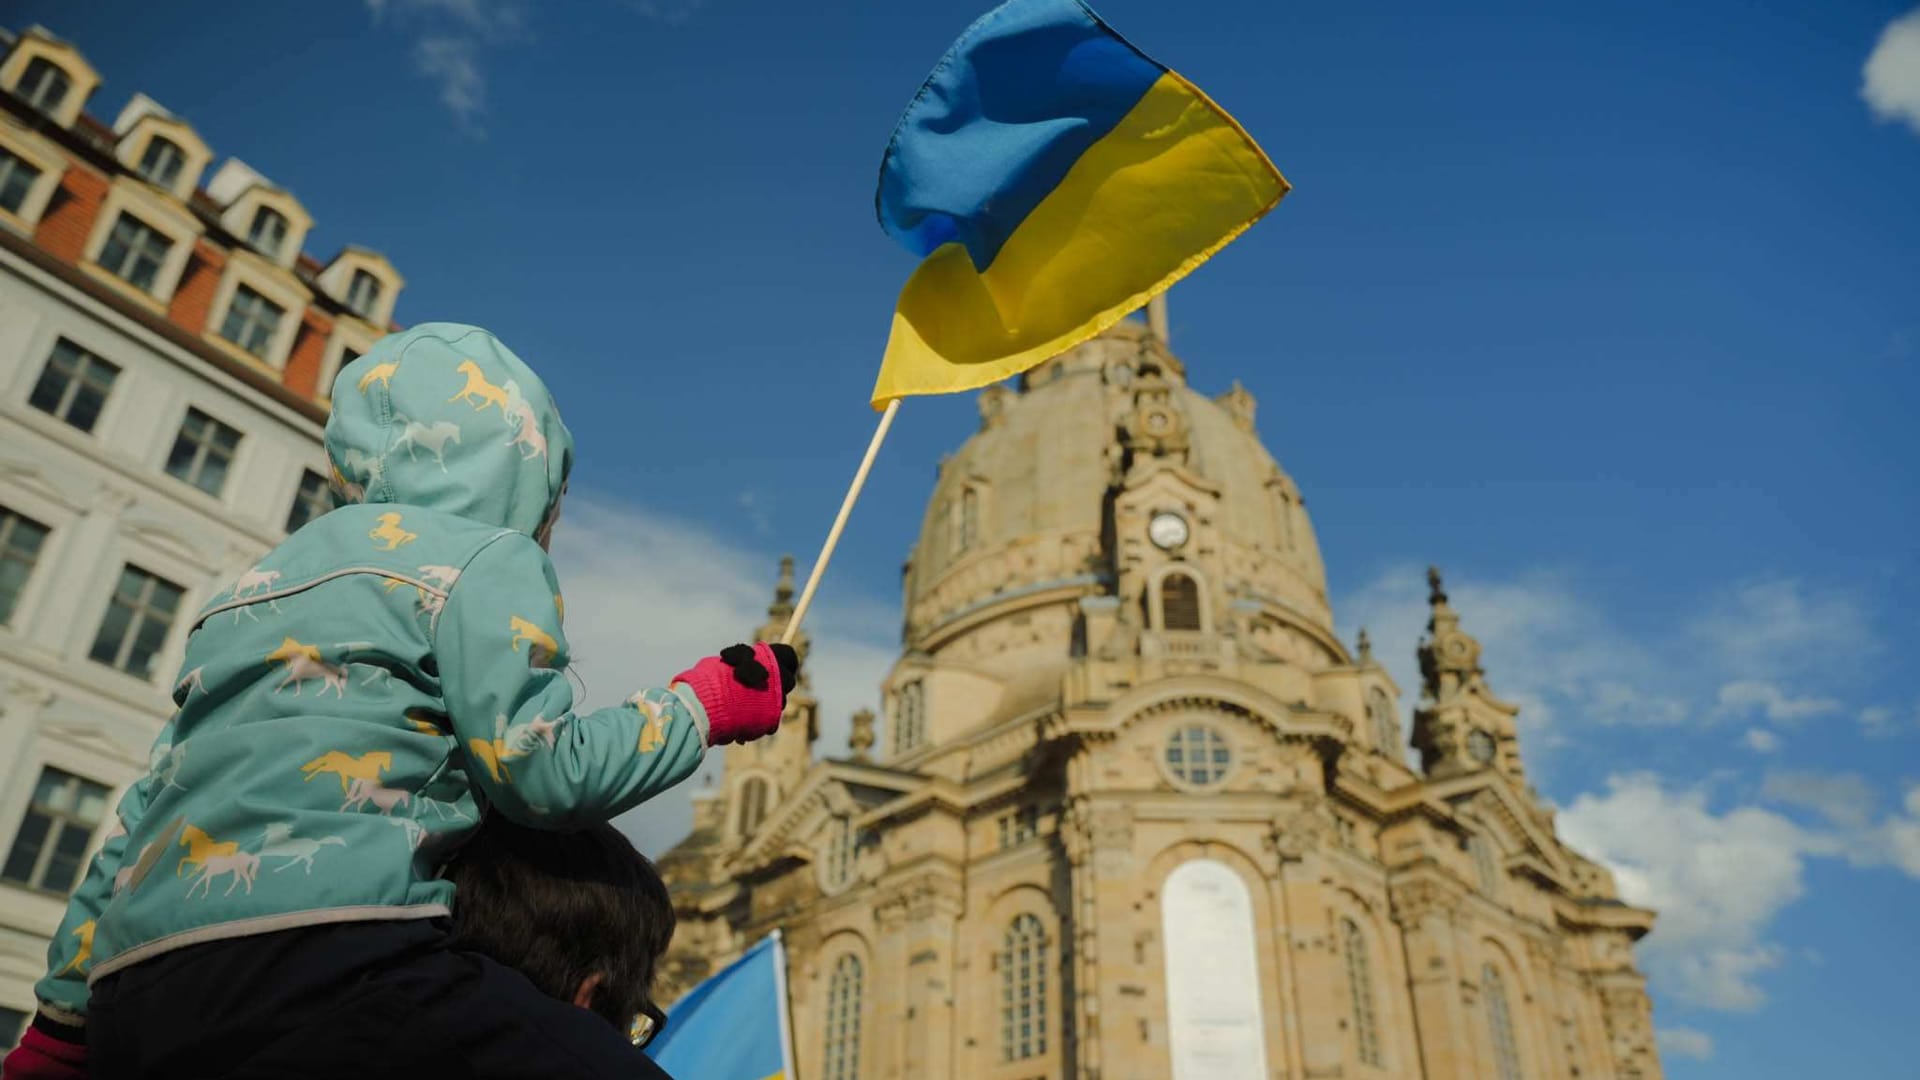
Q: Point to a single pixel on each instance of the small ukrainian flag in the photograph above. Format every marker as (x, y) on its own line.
(734, 1025)
(1055, 178)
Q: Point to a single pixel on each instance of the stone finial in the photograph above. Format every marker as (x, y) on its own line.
(860, 740)
(1240, 406)
(1436, 590)
(782, 606)
(1366, 647)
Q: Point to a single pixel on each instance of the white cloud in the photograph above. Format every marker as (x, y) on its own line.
(1717, 881)
(1747, 697)
(1766, 629)
(1685, 1042)
(1890, 80)
(672, 12)
(454, 66)
(1761, 741)
(647, 595)
(1718, 878)
(1845, 799)
(1883, 721)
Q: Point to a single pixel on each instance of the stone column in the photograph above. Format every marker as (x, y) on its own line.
(1427, 913)
(924, 914)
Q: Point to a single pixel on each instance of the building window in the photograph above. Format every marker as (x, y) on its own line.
(52, 840)
(43, 85)
(1198, 755)
(753, 805)
(843, 1020)
(20, 541)
(137, 621)
(910, 717)
(1484, 864)
(74, 385)
(1366, 1027)
(203, 452)
(16, 179)
(134, 252)
(969, 522)
(363, 293)
(1386, 726)
(162, 162)
(252, 321)
(1023, 990)
(13, 1024)
(268, 231)
(1506, 1055)
(314, 498)
(1179, 602)
(1019, 826)
(840, 852)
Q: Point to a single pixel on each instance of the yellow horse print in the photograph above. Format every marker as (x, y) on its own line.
(80, 959)
(424, 722)
(201, 847)
(493, 753)
(390, 534)
(379, 373)
(541, 648)
(367, 766)
(479, 388)
(653, 733)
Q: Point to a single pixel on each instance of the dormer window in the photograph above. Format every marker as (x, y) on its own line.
(252, 321)
(44, 85)
(134, 252)
(268, 231)
(162, 162)
(16, 180)
(363, 293)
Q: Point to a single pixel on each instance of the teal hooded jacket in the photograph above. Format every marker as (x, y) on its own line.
(350, 707)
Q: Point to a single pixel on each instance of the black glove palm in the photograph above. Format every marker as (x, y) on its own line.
(752, 674)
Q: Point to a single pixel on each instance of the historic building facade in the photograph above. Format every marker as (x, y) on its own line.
(1140, 813)
(165, 352)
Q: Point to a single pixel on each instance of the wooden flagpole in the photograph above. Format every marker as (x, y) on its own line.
(839, 523)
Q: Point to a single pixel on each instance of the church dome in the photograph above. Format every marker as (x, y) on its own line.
(1025, 506)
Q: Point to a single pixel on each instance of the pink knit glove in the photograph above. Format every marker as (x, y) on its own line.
(42, 1056)
(737, 712)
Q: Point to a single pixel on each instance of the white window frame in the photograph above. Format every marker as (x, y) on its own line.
(62, 516)
(238, 219)
(233, 464)
(39, 868)
(42, 155)
(244, 267)
(194, 152)
(349, 333)
(82, 80)
(338, 277)
(158, 212)
(182, 615)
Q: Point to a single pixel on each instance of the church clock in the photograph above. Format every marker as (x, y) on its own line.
(1167, 530)
(1480, 747)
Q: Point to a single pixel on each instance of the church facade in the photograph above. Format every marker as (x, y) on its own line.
(1140, 813)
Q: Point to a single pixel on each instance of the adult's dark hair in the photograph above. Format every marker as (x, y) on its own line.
(561, 907)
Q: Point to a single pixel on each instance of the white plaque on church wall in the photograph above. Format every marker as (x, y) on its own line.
(1213, 975)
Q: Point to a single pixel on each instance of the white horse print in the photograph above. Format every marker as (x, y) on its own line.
(279, 842)
(365, 465)
(445, 810)
(528, 436)
(193, 682)
(301, 667)
(443, 576)
(254, 581)
(520, 738)
(416, 833)
(243, 865)
(432, 437)
(362, 792)
(168, 770)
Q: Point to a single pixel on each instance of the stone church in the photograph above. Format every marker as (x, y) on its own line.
(1139, 812)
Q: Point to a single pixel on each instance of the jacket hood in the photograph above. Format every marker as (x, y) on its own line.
(446, 417)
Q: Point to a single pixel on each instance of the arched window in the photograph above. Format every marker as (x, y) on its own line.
(268, 231)
(363, 292)
(969, 533)
(44, 85)
(840, 852)
(753, 805)
(1506, 1055)
(1484, 865)
(1179, 602)
(843, 1020)
(1386, 726)
(162, 161)
(1366, 1027)
(910, 717)
(1023, 990)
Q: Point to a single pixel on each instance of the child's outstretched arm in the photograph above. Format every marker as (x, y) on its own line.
(502, 655)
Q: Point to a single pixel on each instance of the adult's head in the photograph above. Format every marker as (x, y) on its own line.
(582, 915)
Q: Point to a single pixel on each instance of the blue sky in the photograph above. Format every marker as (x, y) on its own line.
(1611, 310)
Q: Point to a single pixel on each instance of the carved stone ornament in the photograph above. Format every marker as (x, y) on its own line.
(1306, 830)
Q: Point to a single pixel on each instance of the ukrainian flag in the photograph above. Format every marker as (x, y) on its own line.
(734, 1025)
(1055, 178)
